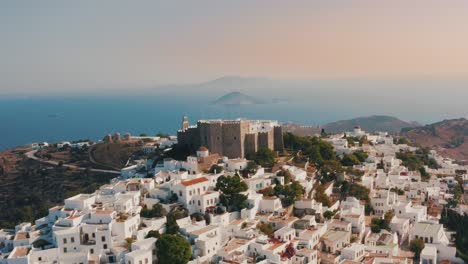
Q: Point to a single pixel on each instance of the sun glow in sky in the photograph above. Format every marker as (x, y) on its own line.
(60, 45)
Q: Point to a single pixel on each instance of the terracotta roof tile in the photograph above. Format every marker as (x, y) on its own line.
(194, 181)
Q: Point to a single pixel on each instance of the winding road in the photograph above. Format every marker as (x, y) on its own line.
(31, 155)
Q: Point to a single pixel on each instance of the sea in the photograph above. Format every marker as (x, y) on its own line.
(53, 119)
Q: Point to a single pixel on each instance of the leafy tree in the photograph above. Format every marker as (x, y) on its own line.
(351, 141)
(350, 160)
(41, 243)
(157, 211)
(268, 192)
(416, 246)
(424, 174)
(230, 185)
(359, 191)
(328, 215)
(173, 249)
(264, 157)
(153, 233)
(290, 193)
(316, 149)
(414, 160)
(388, 216)
(267, 229)
(252, 167)
(233, 202)
(323, 133)
(361, 155)
(376, 225)
(321, 197)
(381, 165)
(458, 223)
(403, 140)
(397, 191)
(143, 135)
(171, 224)
(216, 168)
(231, 188)
(286, 175)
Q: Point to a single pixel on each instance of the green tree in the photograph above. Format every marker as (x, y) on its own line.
(403, 140)
(424, 174)
(173, 249)
(290, 193)
(153, 233)
(350, 160)
(252, 167)
(359, 191)
(321, 197)
(171, 224)
(267, 229)
(361, 155)
(157, 211)
(268, 192)
(230, 184)
(416, 246)
(231, 188)
(264, 157)
(216, 168)
(376, 225)
(328, 215)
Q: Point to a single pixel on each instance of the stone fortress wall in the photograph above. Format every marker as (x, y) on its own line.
(232, 138)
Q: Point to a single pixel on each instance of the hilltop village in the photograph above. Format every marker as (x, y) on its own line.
(242, 191)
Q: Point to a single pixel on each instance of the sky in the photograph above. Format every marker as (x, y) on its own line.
(109, 44)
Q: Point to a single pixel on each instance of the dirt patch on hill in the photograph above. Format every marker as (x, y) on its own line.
(114, 154)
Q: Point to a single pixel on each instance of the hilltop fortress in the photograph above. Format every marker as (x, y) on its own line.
(231, 138)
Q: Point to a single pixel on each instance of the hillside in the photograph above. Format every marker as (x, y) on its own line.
(371, 124)
(28, 187)
(113, 155)
(449, 137)
(237, 98)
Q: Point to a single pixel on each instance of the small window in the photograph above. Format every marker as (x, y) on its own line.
(64, 250)
(64, 240)
(72, 240)
(105, 246)
(103, 238)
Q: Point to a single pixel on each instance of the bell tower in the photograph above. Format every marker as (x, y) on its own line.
(185, 123)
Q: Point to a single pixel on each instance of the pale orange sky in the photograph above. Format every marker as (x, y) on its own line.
(109, 44)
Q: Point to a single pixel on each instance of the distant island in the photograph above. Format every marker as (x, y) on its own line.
(237, 98)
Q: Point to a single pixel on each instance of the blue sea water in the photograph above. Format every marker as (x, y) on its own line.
(24, 121)
(52, 119)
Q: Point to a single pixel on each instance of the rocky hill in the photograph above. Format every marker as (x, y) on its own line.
(28, 187)
(237, 98)
(371, 124)
(448, 137)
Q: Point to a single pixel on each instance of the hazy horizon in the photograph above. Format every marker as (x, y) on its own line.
(66, 47)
